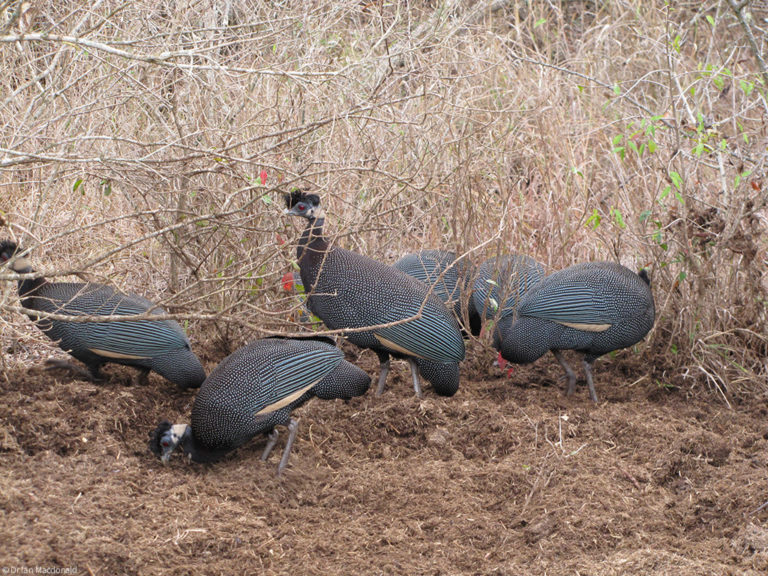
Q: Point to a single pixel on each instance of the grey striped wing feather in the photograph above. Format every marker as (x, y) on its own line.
(428, 266)
(141, 338)
(594, 293)
(262, 374)
(370, 293)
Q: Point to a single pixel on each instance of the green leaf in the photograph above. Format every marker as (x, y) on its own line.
(644, 215)
(77, 184)
(711, 20)
(746, 86)
(676, 43)
(652, 146)
(617, 90)
(594, 220)
(676, 179)
(267, 199)
(618, 217)
(539, 22)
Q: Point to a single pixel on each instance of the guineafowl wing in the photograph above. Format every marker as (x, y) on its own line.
(128, 340)
(592, 296)
(370, 293)
(501, 283)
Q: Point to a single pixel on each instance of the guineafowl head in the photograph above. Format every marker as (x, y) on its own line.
(8, 249)
(164, 439)
(300, 203)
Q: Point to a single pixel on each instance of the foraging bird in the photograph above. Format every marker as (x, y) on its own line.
(255, 389)
(148, 345)
(500, 283)
(349, 290)
(448, 278)
(594, 308)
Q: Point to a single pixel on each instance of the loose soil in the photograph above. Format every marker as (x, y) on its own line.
(507, 477)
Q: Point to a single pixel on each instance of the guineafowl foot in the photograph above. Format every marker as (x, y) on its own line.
(383, 371)
(56, 364)
(569, 373)
(415, 376)
(271, 441)
(590, 381)
(293, 428)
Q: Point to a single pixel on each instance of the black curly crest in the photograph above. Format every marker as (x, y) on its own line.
(157, 435)
(297, 196)
(7, 249)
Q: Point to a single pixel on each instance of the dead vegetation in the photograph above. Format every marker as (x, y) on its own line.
(134, 140)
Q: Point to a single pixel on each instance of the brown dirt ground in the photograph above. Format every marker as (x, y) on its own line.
(507, 477)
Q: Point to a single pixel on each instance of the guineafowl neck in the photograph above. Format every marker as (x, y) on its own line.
(28, 287)
(312, 240)
(197, 451)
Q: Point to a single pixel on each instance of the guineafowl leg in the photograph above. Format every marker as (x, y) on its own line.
(91, 374)
(383, 371)
(569, 373)
(293, 427)
(144, 376)
(590, 382)
(415, 376)
(271, 441)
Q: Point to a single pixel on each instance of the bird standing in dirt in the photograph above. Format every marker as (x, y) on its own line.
(348, 290)
(594, 308)
(255, 389)
(149, 345)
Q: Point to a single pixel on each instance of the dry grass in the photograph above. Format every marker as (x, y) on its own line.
(133, 136)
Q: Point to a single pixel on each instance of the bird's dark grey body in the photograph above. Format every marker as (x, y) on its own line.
(160, 346)
(449, 279)
(593, 308)
(348, 290)
(502, 282)
(255, 389)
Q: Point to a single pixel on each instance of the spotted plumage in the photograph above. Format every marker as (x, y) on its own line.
(348, 290)
(160, 346)
(448, 279)
(500, 283)
(593, 308)
(254, 390)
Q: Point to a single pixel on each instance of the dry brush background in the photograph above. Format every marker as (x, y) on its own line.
(134, 133)
(133, 136)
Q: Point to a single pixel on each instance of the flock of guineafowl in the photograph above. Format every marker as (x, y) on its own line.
(412, 310)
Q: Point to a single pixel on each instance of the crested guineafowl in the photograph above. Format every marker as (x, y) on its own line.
(255, 389)
(448, 278)
(160, 346)
(594, 308)
(500, 283)
(349, 290)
